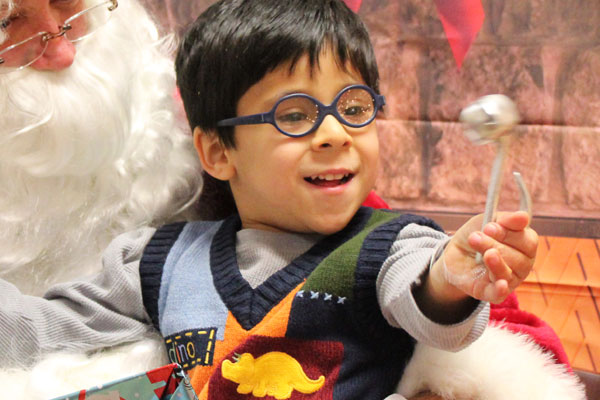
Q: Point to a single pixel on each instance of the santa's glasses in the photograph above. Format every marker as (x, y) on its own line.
(27, 49)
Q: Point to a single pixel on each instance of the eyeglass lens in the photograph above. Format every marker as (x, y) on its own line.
(25, 54)
(84, 24)
(298, 114)
(29, 46)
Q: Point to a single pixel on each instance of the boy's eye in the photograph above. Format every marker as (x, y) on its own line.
(291, 117)
(354, 110)
(297, 119)
(357, 113)
(296, 110)
(356, 105)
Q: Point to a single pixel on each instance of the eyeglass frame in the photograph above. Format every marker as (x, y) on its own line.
(322, 112)
(62, 30)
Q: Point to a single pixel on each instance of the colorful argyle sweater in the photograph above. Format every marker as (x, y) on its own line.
(313, 330)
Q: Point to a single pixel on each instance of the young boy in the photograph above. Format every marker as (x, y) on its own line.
(302, 292)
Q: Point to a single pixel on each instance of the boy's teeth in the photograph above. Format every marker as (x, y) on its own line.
(329, 177)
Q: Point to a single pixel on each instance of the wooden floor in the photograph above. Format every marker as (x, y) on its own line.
(564, 290)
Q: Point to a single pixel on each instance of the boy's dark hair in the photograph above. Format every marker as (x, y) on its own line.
(235, 43)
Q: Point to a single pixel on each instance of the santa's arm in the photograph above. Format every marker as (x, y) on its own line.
(104, 311)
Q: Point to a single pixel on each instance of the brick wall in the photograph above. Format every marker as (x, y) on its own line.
(544, 54)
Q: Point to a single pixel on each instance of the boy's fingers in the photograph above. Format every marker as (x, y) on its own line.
(494, 292)
(525, 241)
(516, 262)
(495, 263)
(514, 221)
(503, 260)
(481, 242)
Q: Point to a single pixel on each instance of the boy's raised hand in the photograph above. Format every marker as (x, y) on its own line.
(508, 247)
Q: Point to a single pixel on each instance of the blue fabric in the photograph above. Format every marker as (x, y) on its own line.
(151, 267)
(187, 279)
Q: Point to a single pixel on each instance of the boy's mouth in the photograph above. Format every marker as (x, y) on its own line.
(329, 180)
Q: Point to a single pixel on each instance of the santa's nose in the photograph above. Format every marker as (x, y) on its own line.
(60, 52)
(59, 55)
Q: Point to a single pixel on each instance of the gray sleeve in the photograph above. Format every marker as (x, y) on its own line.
(103, 311)
(409, 259)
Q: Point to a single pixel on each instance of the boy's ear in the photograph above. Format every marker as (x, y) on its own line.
(213, 154)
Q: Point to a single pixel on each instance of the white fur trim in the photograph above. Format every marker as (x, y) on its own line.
(60, 374)
(500, 365)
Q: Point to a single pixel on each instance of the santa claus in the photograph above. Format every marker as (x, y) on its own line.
(93, 143)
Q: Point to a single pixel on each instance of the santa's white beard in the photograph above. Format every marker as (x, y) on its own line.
(85, 154)
(90, 152)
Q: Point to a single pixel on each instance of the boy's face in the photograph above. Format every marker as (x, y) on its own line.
(314, 183)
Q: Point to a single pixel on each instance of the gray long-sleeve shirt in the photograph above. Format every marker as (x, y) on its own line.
(108, 309)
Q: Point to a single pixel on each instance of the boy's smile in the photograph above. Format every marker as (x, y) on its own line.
(313, 183)
(330, 178)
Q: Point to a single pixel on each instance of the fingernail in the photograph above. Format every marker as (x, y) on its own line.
(476, 238)
(491, 229)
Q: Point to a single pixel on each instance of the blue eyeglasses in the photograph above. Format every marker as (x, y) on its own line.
(299, 114)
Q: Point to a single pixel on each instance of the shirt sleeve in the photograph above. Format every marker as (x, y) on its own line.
(415, 247)
(103, 311)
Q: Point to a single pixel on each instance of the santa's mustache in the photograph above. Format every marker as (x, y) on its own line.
(62, 122)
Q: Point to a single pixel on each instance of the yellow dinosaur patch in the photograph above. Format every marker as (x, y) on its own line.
(274, 374)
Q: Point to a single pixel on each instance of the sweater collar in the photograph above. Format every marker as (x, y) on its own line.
(249, 306)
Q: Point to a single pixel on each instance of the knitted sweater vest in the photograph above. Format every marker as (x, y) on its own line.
(313, 330)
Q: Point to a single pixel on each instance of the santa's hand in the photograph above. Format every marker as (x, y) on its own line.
(508, 247)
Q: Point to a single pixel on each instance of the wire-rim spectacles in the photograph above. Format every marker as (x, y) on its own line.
(91, 19)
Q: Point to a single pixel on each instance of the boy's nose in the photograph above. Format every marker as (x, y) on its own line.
(331, 133)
